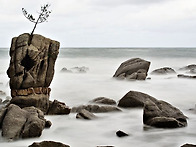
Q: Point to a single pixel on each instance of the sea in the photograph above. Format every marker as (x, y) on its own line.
(78, 88)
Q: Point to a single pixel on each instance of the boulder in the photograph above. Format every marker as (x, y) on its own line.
(135, 68)
(163, 71)
(31, 69)
(48, 124)
(95, 108)
(188, 145)
(34, 124)
(135, 99)
(186, 76)
(58, 108)
(25, 123)
(13, 122)
(121, 134)
(104, 100)
(48, 144)
(161, 114)
(84, 114)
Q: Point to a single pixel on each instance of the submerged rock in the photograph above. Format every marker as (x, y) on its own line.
(188, 145)
(135, 69)
(25, 123)
(161, 114)
(58, 108)
(164, 70)
(104, 100)
(95, 108)
(121, 134)
(186, 76)
(84, 114)
(48, 144)
(188, 67)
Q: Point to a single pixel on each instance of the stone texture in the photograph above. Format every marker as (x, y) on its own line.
(58, 108)
(2, 115)
(84, 114)
(13, 122)
(161, 114)
(31, 68)
(34, 124)
(48, 144)
(104, 100)
(135, 69)
(96, 108)
(27, 122)
(163, 71)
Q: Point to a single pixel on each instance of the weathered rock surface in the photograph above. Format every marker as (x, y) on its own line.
(186, 76)
(188, 145)
(161, 114)
(2, 115)
(121, 134)
(84, 114)
(48, 144)
(104, 100)
(58, 108)
(95, 108)
(163, 71)
(25, 123)
(135, 68)
(135, 99)
(31, 69)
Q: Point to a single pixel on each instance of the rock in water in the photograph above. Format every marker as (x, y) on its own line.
(48, 144)
(188, 145)
(121, 134)
(135, 69)
(163, 71)
(31, 70)
(161, 114)
(84, 114)
(25, 123)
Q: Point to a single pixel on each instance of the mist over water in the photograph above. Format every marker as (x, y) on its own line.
(79, 88)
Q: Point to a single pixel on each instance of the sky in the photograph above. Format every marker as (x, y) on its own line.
(104, 23)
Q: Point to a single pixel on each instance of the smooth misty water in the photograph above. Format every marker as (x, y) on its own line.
(76, 89)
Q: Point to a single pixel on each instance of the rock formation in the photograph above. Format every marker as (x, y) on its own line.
(156, 113)
(135, 69)
(104, 100)
(31, 70)
(163, 71)
(84, 114)
(25, 123)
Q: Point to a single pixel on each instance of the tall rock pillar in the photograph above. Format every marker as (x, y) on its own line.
(31, 70)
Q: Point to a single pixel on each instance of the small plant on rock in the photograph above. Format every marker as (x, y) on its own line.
(43, 16)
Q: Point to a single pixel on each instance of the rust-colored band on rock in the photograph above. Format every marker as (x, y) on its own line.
(29, 91)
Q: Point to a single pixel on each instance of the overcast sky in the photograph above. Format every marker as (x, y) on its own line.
(105, 23)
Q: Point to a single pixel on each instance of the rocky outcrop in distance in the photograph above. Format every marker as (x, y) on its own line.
(103, 100)
(81, 69)
(31, 70)
(133, 69)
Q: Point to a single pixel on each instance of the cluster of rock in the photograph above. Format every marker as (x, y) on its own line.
(156, 113)
(81, 69)
(133, 69)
